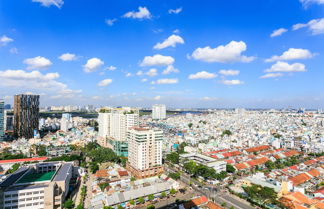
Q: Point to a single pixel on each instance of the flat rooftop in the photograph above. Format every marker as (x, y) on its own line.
(36, 177)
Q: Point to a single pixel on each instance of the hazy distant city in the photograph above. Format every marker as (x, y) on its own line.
(161, 104)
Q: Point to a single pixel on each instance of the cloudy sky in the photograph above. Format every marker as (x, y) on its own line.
(184, 53)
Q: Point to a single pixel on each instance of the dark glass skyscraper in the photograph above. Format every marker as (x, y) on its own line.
(26, 115)
(2, 128)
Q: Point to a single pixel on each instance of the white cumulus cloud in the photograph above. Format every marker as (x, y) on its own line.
(232, 82)
(232, 52)
(152, 72)
(278, 32)
(48, 3)
(175, 11)
(142, 13)
(166, 81)
(172, 41)
(292, 54)
(157, 60)
(170, 69)
(285, 67)
(111, 68)
(306, 3)
(316, 26)
(144, 80)
(105, 82)
(4, 40)
(229, 72)
(272, 75)
(110, 22)
(202, 75)
(34, 81)
(92, 65)
(37, 63)
(68, 57)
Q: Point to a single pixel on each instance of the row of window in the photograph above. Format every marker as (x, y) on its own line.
(25, 205)
(24, 199)
(23, 194)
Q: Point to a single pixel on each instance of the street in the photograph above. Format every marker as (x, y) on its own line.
(213, 193)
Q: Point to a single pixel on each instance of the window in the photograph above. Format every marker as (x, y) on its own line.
(29, 193)
(41, 192)
(22, 200)
(7, 202)
(37, 192)
(15, 195)
(22, 206)
(28, 199)
(29, 204)
(22, 194)
(7, 196)
(35, 198)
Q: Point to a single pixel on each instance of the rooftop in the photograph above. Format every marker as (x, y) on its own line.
(36, 177)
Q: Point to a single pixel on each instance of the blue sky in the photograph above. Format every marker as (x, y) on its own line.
(184, 53)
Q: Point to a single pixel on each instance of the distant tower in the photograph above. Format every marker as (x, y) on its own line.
(2, 117)
(26, 115)
(158, 111)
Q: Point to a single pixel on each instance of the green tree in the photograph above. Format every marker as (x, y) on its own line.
(173, 157)
(190, 167)
(69, 204)
(173, 191)
(80, 206)
(163, 194)
(150, 197)
(141, 200)
(151, 207)
(174, 176)
(223, 204)
(226, 132)
(230, 168)
(107, 207)
(103, 186)
(41, 150)
(13, 168)
(132, 202)
(190, 125)
(94, 167)
(120, 207)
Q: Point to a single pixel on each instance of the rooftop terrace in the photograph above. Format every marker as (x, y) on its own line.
(36, 177)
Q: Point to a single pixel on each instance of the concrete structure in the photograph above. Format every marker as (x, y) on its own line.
(2, 123)
(158, 111)
(113, 126)
(218, 165)
(41, 185)
(26, 115)
(145, 151)
(66, 122)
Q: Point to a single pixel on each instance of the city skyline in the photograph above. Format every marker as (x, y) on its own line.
(179, 53)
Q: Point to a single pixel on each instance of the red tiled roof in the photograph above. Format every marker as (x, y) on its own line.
(299, 179)
(240, 166)
(310, 162)
(123, 173)
(212, 205)
(229, 161)
(216, 151)
(294, 167)
(258, 161)
(231, 154)
(195, 202)
(257, 149)
(291, 153)
(23, 160)
(314, 172)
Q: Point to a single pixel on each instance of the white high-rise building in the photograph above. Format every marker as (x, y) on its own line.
(66, 122)
(158, 111)
(114, 122)
(145, 151)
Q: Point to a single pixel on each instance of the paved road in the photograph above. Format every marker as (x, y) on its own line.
(214, 193)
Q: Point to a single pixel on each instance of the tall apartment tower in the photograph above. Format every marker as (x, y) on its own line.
(2, 123)
(113, 126)
(158, 111)
(26, 115)
(145, 151)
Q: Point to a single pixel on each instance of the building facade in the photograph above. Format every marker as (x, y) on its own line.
(2, 121)
(41, 185)
(113, 124)
(158, 112)
(26, 115)
(145, 151)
